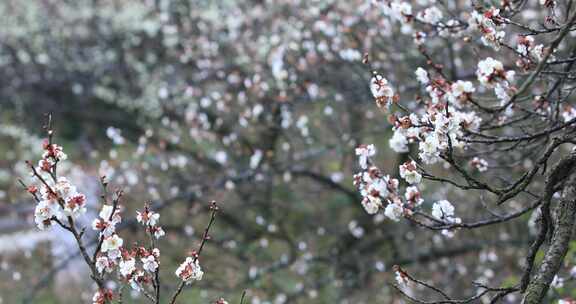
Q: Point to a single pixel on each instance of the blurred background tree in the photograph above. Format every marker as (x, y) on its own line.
(256, 104)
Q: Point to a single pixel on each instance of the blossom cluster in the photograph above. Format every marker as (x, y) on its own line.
(491, 74)
(149, 219)
(381, 191)
(59, 202)
(382, 91)
(529, 52)
(190, 270)
(56, 197)
(490, 24)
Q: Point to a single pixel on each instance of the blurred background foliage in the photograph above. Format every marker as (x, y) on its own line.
(255, 104)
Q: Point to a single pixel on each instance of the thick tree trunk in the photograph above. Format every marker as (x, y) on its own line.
(564, 219)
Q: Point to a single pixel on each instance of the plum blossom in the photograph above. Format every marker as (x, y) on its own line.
(103, 263)
(398, 10)
(460, 91)
(102, 296)
(491, 74)
(399, 142)
(443, 210)
(190, 270)
(419, 38)
(149, 263)
(491, 71)
(137, 279)
(375, 188)
(106, 223)
(429, 149)
(53, 151)
(44, 212)
(364, 152)
(422, 76)
(479, 164)
(147, 217)
(382, 91)
(127, 267)
(490, 25)
(112, 243)
(394, 211)
(412, 196)
(557, 282)
(371, 205)
(409, 173)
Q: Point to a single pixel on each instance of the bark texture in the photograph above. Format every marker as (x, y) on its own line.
(563, 220)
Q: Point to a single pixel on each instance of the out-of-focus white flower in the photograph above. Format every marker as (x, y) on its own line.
(401, 279)
(398, 142)
(480, 164)
(364, 152)
(422, 76)
(431, 15)
(557, 282)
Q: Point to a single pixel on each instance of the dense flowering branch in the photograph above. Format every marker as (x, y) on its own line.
(460, 123)
(60, 203)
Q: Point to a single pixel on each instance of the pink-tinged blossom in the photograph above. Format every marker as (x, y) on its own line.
(44, 212)
(479, 164)
(189, 271)
(137, 279)
(106, 223)
(409, 173)
(489, 24)
(491, 71)
(419, 38)
(413, 196)
(102, 296)
(382, 91)
(147, 217)
(53, 151)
